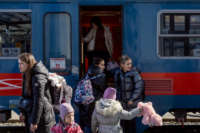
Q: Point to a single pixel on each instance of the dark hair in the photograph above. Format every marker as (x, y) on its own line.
(97, 61)
(29, 59)
(97, 21)
(124, 58)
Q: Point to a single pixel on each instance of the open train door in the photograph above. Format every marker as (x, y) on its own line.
(111, 16)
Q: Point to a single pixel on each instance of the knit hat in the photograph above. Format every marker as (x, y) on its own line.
(65, 108)
(110, 93)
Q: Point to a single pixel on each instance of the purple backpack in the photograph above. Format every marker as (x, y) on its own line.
(83, 92)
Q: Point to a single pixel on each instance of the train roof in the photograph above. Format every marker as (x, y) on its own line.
(121, 1)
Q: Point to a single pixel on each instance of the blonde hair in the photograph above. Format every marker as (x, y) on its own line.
(29, 59)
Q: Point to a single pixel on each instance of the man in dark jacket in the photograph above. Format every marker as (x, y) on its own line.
(130, 89)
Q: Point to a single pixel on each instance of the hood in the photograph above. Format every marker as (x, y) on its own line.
(94, 70)
(39, 68)
(108, 107)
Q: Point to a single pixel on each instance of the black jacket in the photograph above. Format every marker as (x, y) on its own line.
(98, 81)
(41, 112)
(130, 87)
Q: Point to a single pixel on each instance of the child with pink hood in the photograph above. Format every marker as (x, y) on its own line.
(66, 124)
(108, 112)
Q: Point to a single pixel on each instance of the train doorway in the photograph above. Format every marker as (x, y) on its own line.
(111, 17)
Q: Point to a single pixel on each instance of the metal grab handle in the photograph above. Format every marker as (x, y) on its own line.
(82, 52)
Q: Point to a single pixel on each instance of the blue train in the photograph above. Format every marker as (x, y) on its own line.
(161, 36)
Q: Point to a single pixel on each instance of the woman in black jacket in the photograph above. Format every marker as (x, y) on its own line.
(130, 90)
(98, 79)
(38, 114)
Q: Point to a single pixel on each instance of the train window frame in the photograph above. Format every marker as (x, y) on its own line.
(17, 11)
(176, 34)
(44, 44)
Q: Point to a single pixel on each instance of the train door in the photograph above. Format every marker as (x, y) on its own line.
(111, 17)
(59, 38)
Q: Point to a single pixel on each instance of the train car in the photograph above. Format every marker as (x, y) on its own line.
(161, 36)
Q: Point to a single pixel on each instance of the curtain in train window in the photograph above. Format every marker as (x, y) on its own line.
(57, 41)
(15, 33)
(179, 34)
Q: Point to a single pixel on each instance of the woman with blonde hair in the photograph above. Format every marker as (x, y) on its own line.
(35, 105)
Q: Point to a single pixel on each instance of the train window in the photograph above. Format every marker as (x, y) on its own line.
(57, 39)
(179, 34)
(15, 33)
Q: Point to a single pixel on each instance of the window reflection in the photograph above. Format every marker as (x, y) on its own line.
(179, 23)
(195, 24)
(179, 35)
(15, 33)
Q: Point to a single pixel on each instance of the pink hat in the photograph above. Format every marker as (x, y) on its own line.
(110, 93)
(65, 108)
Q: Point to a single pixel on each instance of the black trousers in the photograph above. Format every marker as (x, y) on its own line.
(44, 129)
(27, 122)
(41, 128)
(129, 126)
(85, 114)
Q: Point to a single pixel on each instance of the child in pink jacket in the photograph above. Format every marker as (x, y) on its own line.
(66, 124)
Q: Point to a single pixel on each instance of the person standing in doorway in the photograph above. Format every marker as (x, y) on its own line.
(99, 41)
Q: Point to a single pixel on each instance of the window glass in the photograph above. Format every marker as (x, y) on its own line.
(195, 24)
(179, 23)
(165, 24)
(179, 34)
(57, 41)
(15, 33)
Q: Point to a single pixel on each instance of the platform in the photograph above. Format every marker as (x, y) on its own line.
(191, 119)
(13, 121)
